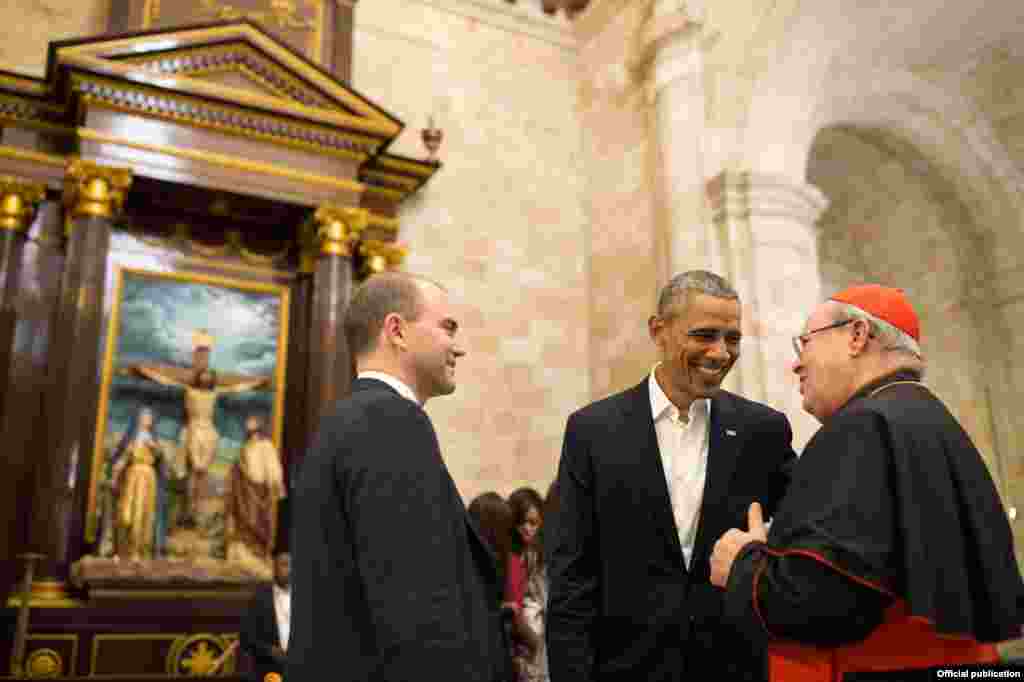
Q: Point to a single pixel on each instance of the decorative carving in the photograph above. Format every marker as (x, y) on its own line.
(92, 189)
(44, 663)
(380, 256)
(197, 655)
(18, 202)
(338, 228)
(281, 13)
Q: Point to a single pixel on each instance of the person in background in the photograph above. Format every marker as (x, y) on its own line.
(891, 550)
(523, 565)
(493, 518)
(535, 597)
(267, 622)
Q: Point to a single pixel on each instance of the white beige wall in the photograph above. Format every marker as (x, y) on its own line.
(29, 25)
(502, 224)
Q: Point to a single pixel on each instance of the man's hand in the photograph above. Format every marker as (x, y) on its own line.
(734, 540)
(278, 654)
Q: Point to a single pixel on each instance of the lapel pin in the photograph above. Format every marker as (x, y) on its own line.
(730, 432)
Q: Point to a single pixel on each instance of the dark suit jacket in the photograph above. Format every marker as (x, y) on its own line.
(622, 604)
(390, 581)
(259, 634)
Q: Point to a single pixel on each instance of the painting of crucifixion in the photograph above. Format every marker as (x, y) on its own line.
(192, 363)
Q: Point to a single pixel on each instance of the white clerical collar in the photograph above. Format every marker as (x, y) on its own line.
(395, 383)
(660, 402)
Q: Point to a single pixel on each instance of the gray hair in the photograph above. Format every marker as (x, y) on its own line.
(680, 287)
(892, 338)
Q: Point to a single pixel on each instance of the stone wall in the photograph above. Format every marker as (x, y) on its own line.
(502, 224)
(32, 24)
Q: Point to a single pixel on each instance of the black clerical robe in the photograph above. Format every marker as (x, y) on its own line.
(891, 530)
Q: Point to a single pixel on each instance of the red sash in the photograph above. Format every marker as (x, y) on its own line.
(900, 642)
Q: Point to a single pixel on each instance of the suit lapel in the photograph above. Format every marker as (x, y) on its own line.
(650, 470)
(723, 452)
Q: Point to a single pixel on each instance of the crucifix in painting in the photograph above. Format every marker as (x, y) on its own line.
(199, 437)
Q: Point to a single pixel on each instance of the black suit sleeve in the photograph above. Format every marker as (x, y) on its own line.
(259, 625)
(785, 457)
(571, 548)
(398, 497)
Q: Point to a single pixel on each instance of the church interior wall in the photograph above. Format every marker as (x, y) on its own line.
(501, 224)
(39, 22)
(626, 252)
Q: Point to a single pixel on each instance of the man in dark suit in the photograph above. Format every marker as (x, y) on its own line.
(391, 581)
(265, 627)
(648, 480)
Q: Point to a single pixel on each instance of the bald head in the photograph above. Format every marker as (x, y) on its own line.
(375, 299)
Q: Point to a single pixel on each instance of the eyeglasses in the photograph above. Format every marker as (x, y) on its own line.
(800, 341)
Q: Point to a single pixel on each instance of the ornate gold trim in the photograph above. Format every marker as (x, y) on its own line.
(383, 222)
(401, 181)
(44, 663)
(381, 256)
(232, 130)
(24, 84)
(195, 87)
(181, 645)
(225, 161)
(94, 190)
(236, 54)
(338, 228)
(73, 638)
(392, 194)
(19, 200)
(373, 118)
(407, 166)
(284, 294)
(18, 154)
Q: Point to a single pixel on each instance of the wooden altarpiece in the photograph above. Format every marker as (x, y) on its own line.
(210, 155)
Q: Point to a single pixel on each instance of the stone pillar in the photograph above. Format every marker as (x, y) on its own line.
(18, 201)
(673, 42)
(767, 227)
(330, 365)
(93, 195)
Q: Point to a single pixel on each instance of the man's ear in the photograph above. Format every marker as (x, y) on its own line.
(394, 329)
(654, 325)
(859, 337)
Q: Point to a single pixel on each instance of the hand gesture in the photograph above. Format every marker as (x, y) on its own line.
(734, 540)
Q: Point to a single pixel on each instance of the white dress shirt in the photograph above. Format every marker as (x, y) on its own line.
(397, 384)
(684, 455)
(283, 611)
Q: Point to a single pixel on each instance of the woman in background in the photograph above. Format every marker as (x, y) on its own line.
(524, 566)
(493, 519)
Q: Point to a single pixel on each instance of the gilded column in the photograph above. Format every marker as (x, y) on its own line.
(18, 202)
(380, 256)
(93, 195)
(330, 364)
(673, 41)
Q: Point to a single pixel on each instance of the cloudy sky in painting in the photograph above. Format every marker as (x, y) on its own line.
(159, 316)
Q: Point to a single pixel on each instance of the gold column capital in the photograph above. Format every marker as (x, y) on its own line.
(18, 201)
(94, 190)
(338, 228)
(380, 255)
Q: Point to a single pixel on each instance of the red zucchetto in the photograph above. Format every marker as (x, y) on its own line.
(885, 303)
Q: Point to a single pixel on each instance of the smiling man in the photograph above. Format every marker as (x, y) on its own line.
(892, 550)
(648, 479)
(391, 581)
